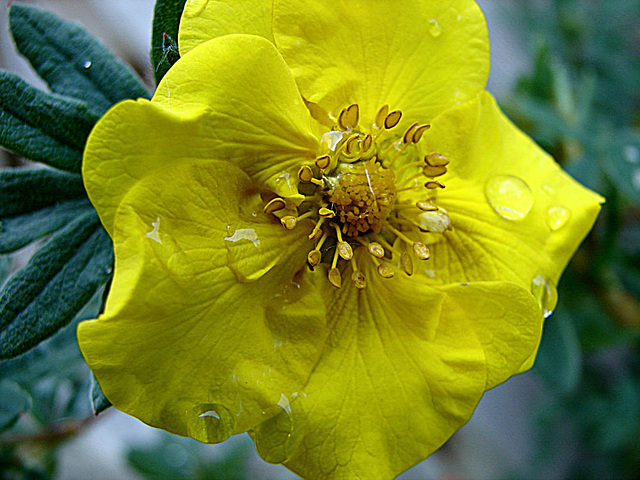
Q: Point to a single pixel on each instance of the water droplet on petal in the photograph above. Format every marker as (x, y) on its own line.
(631, 154)
(435, 29)
(331, 139)
(548, 189)
(284, 403)
(248, 234)
(544, 293)
(153, 234)
(509, 196)
(87, 64)
(211, 422)
(557, 217)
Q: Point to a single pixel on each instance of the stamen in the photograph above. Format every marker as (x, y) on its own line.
(358, 278)
(433, 184)
(323, 162)
(274, 205)
(314, 257)
(436, 160)
(407, 263)
(289, 222)
(349, 117)
(384, 271)
(305, 174)
(388, 246)
(343, 248)
(408, 135)
(429, 171)
(327, 213)
(426, 206)
(381, 116)
(421, 251)
(334, 274)
(417, 135)
(376, 250)
(392, 119)
(314, 233)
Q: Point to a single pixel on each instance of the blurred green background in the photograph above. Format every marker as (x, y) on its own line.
(568, 73)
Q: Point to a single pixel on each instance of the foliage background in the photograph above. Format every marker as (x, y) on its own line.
(568, 73)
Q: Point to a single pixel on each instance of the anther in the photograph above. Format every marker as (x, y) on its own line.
(376, 249)
(314, 257)
(392, 119)
(305, 174)
(385, 271)
(426, 206)
(274, 205)
(436, 160)
(433, 184)
(367, 142)
(289, 222)
(323, 162)
(417, 134)
(421, 251)
(348, 148)
(407, 263)
(358, 278)
(327, 213)
(408, 134)
(429, 171)
(349, 117)
(343, 248)
(381, 116)
(335, 278)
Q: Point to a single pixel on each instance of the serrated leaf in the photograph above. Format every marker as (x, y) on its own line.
(25, 190)
(47, 128)
(17, 232)
(59, 279)
(164, 38)
(99, 402)
(71, 61)
(14, 401)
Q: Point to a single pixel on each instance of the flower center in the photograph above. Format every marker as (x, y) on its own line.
(368, 192)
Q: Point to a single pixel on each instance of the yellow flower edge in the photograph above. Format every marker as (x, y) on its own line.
(215, 325)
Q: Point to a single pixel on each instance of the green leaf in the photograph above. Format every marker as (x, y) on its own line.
(559, 361)
(25, 190)
(622, 164)
(71, 61)
(58, 280)
(17, 232)
(51, 129)
(14, 401)
(164, 38)
(98, 401)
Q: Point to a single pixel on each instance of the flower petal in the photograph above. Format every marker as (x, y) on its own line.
(251, 115)
(419, 56)
(200, 336)
(203, 20)
(484, 146)
(402, 370)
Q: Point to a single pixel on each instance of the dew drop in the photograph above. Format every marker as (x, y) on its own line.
(557, 217)
(548, 189)
(87, 64)
(211, 422)
(509, 196)
(544, 293)
(108, 270)
(331, 139)
(153, 234)
(631, 154)
(248, 234)
(284, 404)
(435, 29)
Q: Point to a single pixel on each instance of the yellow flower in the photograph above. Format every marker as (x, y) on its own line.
(326, 233)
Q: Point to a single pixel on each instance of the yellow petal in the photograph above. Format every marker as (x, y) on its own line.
(402, 370)
(200, 336)
(251, 115)
(203, 20)
(419, 56)
(503, 194)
